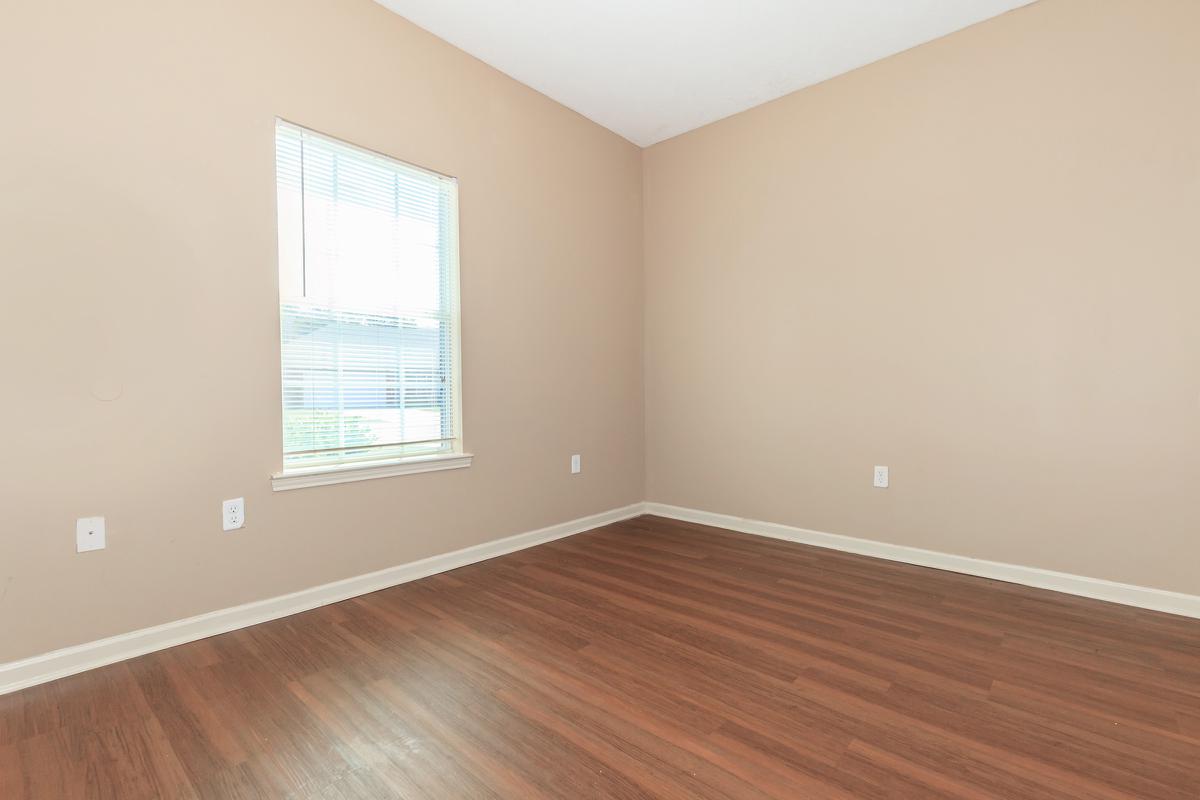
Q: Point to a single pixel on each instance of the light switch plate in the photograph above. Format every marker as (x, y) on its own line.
(576, 467)
(89, 534)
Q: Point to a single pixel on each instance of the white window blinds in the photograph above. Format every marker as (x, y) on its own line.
(368, 286)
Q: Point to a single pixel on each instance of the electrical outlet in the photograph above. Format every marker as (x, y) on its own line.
(89, 534)
(576, 467)
(881, 477)
(233, 514)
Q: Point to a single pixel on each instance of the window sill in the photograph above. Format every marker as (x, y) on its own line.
(345, 473)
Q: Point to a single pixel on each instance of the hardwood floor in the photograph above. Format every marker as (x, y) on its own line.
(648, 659)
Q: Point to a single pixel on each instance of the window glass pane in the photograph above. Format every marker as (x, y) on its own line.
(368, 263)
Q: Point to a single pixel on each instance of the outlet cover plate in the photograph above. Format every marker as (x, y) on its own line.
(233, 514)
(89, 534)
(881, 478)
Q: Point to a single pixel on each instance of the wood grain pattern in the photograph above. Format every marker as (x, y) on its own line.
(647, 659)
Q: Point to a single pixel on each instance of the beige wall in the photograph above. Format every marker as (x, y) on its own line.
(137, 243)
(977, 263)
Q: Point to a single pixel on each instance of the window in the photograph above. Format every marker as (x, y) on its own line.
(368, 302)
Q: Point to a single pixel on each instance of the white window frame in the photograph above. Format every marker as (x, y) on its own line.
(299, 477)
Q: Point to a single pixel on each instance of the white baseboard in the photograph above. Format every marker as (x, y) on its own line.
(1186, 605)
(71, 660)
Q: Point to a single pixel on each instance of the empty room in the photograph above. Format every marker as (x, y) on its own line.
(562, 400)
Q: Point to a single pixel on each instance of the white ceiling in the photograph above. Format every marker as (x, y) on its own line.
(652, 69)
